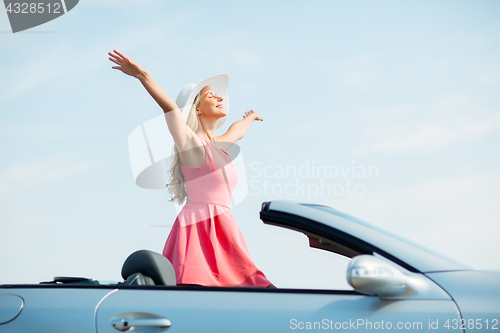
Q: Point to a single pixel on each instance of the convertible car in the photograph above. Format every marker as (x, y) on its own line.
(397, 285)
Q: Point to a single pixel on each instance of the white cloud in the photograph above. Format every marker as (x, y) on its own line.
(474, 40)
(428, 128)
(359, 73)
(245, 58)
(433, 137)
(18, 80)
(24, 130)
(488, 75)
(25, 175)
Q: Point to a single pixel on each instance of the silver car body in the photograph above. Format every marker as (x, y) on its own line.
(398, 285)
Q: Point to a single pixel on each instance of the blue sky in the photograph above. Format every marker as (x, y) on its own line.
(409, 88)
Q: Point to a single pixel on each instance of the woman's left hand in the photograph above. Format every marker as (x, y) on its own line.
(253, 114)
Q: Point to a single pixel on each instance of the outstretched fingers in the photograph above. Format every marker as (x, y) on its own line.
(116, 56)
(120, 54)
(126, 65)
(247, 113)
(116, 62)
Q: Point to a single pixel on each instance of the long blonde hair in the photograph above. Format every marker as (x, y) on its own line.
(177, 186)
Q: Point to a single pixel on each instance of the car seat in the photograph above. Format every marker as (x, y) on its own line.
(145, 267)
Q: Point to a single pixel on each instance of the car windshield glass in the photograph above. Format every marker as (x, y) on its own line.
(371, 226)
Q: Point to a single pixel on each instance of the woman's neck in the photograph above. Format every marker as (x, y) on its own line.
(209, 136)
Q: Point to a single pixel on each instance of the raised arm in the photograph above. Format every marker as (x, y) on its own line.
(183, 136)
(238, 129)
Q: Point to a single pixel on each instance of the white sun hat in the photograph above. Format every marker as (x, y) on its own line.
(219, 85)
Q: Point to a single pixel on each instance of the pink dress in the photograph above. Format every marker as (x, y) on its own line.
(205, 245)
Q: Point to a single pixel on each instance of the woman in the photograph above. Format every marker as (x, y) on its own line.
(205, 245)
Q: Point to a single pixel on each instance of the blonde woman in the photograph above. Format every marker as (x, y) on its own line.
(205, 245)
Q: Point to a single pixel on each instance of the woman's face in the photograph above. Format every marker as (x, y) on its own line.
(210, 104)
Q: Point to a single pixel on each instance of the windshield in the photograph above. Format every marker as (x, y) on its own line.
(373, 227)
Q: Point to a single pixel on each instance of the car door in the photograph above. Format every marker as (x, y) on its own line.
(211, 309)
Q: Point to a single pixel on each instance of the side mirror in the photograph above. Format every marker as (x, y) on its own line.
(375, 276)
(372, 275)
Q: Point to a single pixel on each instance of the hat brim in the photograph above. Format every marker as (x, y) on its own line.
(219, 84)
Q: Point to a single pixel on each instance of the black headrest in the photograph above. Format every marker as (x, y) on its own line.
(151, 264)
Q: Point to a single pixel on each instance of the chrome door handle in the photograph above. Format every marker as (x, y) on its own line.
(125, 321)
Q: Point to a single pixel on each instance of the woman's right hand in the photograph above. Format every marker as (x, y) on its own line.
(126, 65)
